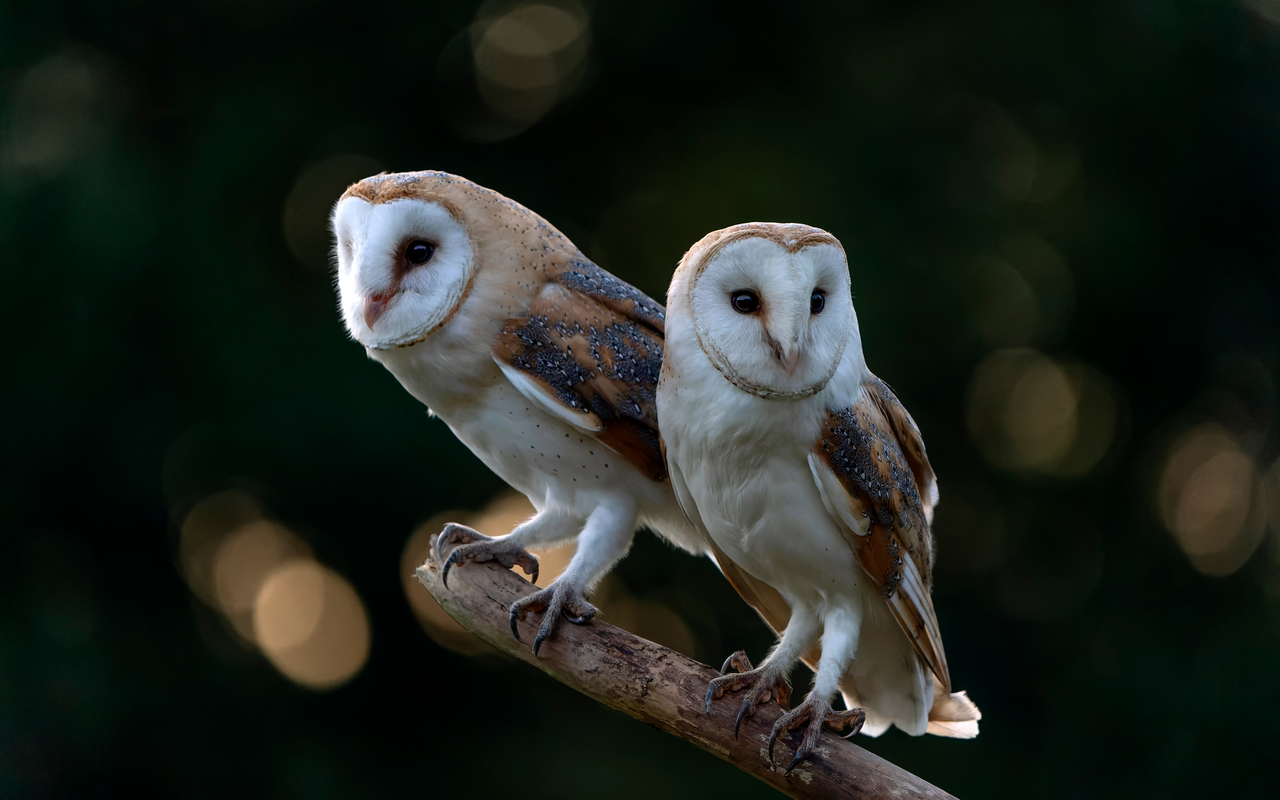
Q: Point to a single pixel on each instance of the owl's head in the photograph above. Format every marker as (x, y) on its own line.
(405, 261)
(770, 304)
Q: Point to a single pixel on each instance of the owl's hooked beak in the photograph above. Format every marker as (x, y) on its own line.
(789, 356)
(785, 329)
(789, 359)
(375, 305)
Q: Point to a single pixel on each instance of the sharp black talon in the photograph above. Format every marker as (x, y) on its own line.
(534, 577)
(448, 565)
(851, 733)
(537, 643)
(515, 617)
(710, 691)
(742, 712)
(799, 757)
(725, 666)
(773, 739)
(576, 620)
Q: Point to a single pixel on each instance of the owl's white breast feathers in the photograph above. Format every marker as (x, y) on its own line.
(803, 469)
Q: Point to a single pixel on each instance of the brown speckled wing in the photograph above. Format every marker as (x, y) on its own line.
(618, 296)
(870, 476)
(909, 439)
(591, 347)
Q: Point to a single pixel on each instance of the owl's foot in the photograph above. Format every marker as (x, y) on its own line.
(761, 684)
(558, 598)
(472, 545)
(816, 711)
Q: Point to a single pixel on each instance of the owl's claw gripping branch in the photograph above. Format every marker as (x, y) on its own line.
(762, 684)
(662, 688)
(471, 545)
(557, 599)
(817, 712)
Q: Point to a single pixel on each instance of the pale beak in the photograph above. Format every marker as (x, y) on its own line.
(788, 356)
(789, 359)
(375, 305)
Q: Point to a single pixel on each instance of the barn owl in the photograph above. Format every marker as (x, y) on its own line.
(542, 363)
(811, 482)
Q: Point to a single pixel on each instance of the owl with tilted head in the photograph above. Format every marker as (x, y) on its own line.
(539, 361)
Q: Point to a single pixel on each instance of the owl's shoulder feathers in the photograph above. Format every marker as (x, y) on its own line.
(870, 466)
(589, 352)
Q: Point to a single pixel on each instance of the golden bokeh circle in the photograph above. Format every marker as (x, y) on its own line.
(311, 625)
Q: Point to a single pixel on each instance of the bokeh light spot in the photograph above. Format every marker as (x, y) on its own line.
(311, 625)
(58, 110)
(274, 596)
(289, 605)
(437, 623)
(203, 529)
(242, 563)
(527, 57)
(498, 518)
(246, 557)
(1207, 496)
(306, 209)
(1040, 417)
(1030, 413)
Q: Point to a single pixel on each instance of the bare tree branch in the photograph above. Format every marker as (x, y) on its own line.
(665, 689)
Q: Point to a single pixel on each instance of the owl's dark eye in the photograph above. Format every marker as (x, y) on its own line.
(745, 301)
(817, 302)
(419, 252)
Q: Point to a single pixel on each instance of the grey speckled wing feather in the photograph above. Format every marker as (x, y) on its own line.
(591, 347)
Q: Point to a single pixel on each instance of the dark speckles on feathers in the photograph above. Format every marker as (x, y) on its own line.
(585, 277)
(866, 457)
(542, 357)
(596, 352)
(590, 340)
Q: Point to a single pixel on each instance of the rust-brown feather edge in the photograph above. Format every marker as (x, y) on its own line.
(592, 344)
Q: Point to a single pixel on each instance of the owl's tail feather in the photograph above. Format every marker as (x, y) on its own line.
(953, 715)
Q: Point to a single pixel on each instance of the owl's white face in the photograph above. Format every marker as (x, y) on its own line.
(403, 268)
(775, 323)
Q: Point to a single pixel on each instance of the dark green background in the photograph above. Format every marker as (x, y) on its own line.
(161, 341)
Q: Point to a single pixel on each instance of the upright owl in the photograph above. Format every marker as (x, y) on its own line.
(542, 363)
(810, 481)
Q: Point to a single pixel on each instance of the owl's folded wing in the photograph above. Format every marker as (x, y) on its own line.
(588, 353)
(871, 469)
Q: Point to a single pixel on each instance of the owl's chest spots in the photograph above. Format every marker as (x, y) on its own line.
(551, 463)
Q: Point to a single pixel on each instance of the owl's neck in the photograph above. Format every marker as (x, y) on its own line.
(445, 373)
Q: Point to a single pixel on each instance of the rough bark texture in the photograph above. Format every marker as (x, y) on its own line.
(665, 689)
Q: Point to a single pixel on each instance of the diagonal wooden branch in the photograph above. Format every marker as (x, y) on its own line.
(665, 689)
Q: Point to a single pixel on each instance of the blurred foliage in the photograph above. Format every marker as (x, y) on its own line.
(1087, 191)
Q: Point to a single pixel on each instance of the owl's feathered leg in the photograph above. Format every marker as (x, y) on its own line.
(605, 538)
(509, 551)
(769, 681)
(839, 642)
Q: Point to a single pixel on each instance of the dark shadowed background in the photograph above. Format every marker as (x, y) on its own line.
(1061, 220)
